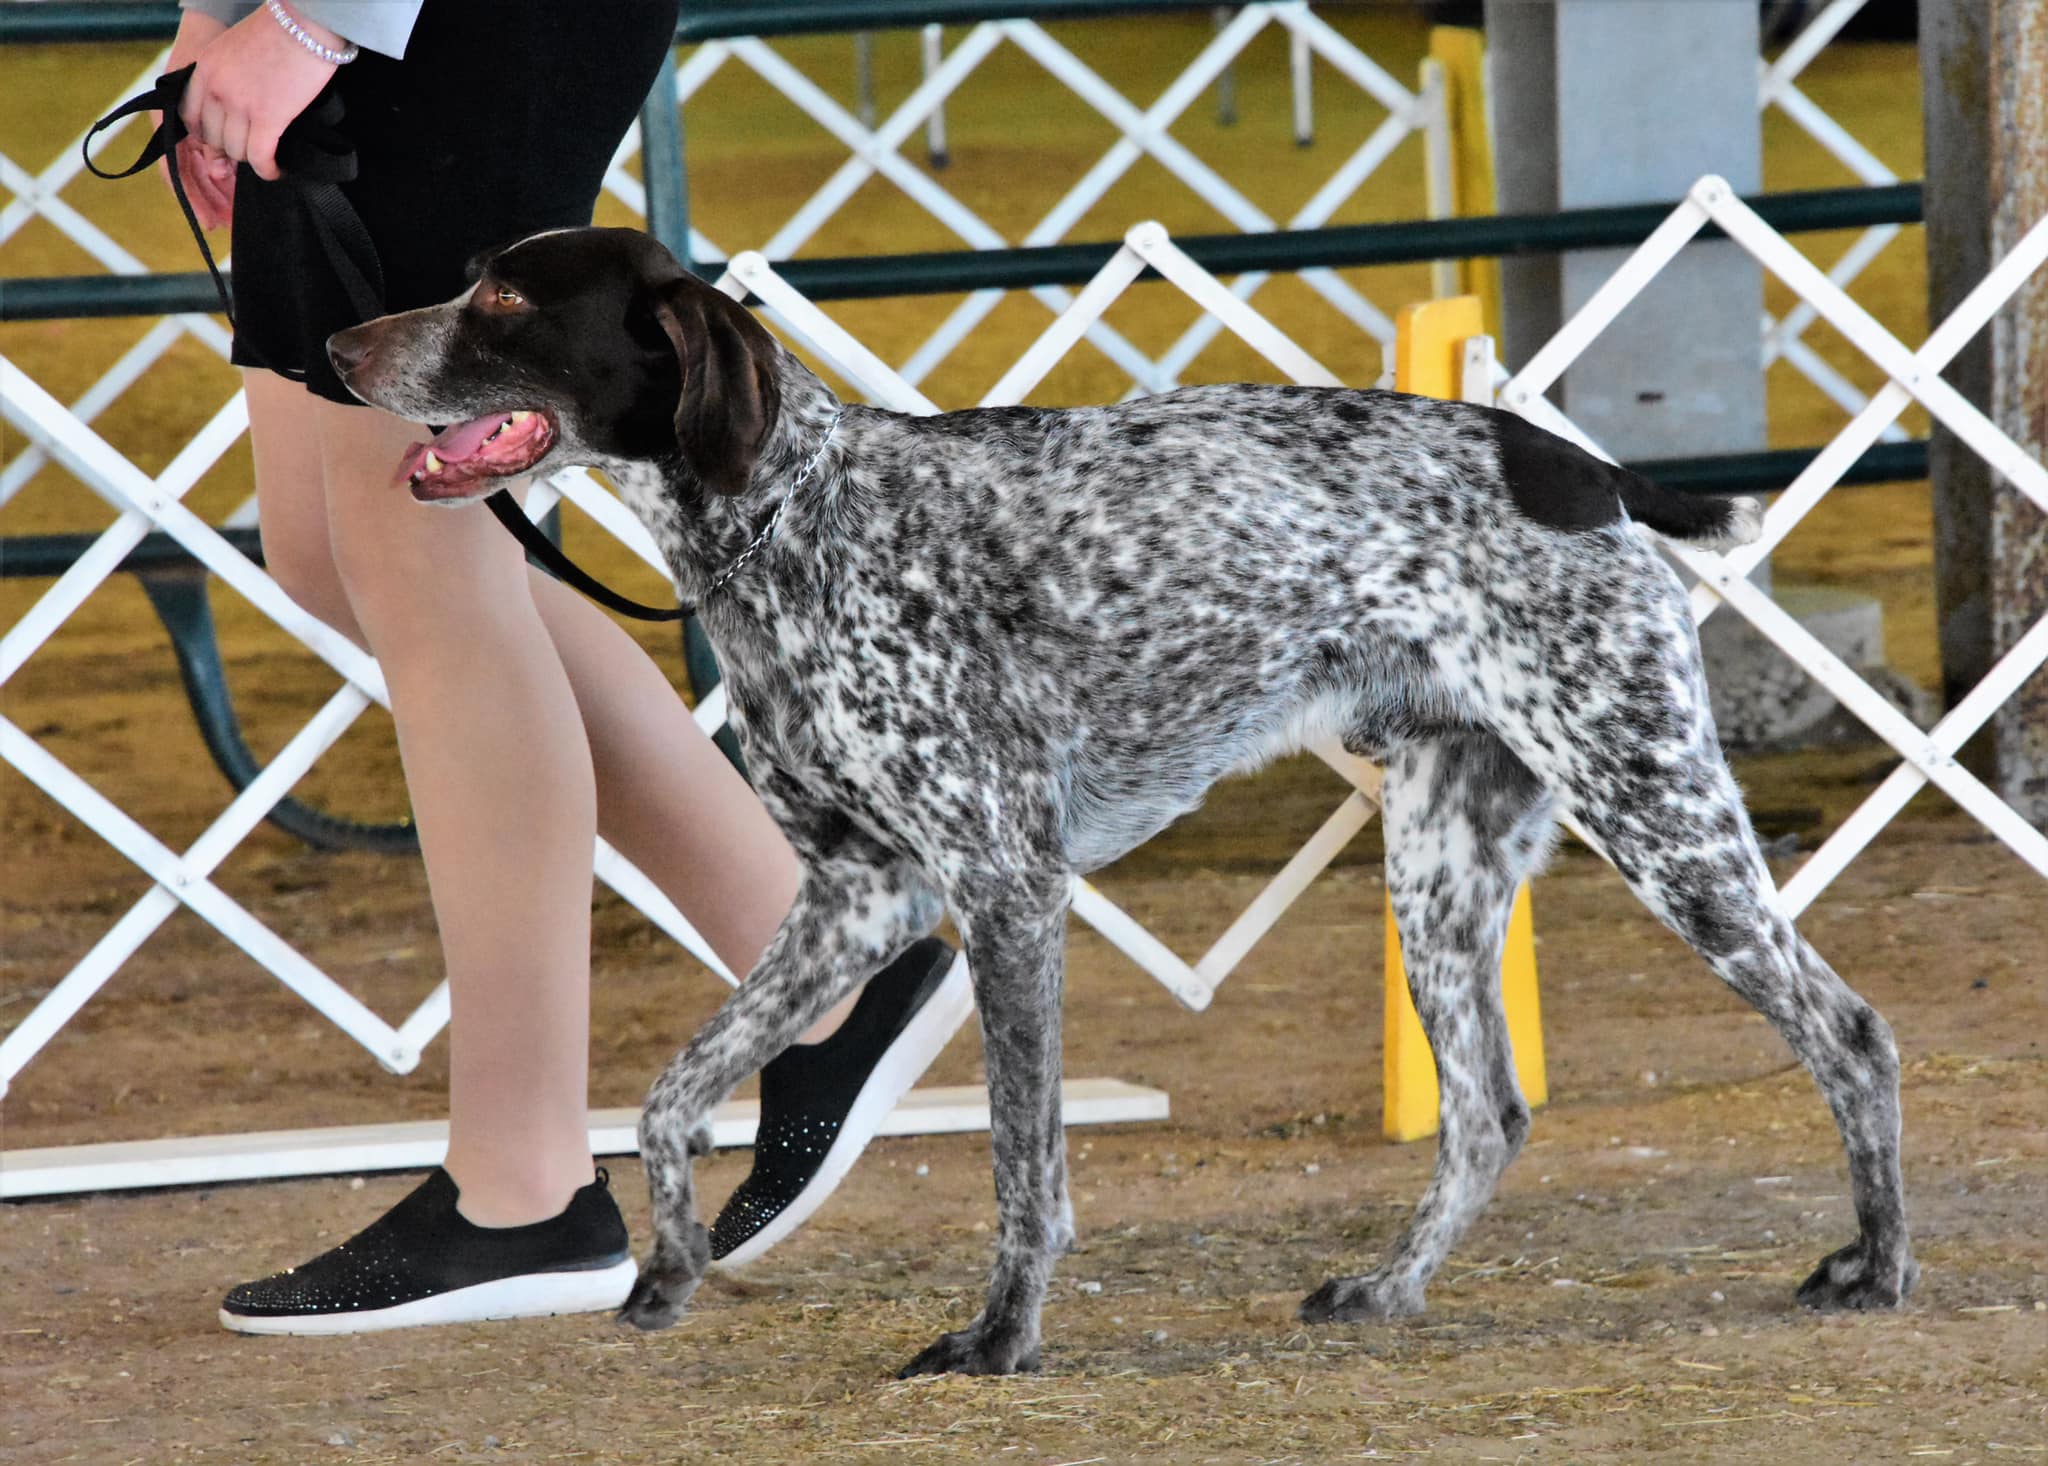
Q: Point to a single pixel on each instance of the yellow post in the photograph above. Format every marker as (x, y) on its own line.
(1428, 347)
(1429, 344)
(1410, 1102)
(1460, 53)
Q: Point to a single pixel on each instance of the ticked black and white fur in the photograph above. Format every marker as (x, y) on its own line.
(985, 650)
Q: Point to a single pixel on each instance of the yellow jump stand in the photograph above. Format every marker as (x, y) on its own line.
(1428, 354)
(1457, 61)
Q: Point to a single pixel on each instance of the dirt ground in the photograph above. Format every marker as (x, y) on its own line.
(1626, 1297)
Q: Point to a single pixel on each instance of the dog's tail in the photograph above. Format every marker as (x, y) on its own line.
(1696, 519)
(1556, 482)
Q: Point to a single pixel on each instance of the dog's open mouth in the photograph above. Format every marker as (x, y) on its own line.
(495, 446)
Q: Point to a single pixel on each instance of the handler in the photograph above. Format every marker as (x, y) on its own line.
(528, 722)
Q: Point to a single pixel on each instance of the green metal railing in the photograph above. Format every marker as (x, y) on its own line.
(855, 277)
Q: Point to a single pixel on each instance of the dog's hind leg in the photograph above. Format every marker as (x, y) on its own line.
(1466, 822)
(1015, 929)
(1621, 731)
(855, 911)
(1676, 831)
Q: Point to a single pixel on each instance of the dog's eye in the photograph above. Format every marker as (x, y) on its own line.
(498, 300)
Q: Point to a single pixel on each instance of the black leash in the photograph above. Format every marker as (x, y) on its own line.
(568, 571)
(317, 158)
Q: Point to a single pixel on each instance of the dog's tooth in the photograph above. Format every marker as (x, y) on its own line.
(517, 418)
(432, 463)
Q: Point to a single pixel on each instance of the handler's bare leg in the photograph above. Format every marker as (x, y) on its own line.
(523, 715)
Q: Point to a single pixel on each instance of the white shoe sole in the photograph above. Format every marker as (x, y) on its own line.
(536, 1295)
(949, 1006)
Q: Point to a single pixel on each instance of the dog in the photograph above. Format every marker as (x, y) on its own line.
(974, 653)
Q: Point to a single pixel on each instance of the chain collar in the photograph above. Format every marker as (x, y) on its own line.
(760, 541)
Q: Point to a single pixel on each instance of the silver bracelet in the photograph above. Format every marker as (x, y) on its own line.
(299, 33)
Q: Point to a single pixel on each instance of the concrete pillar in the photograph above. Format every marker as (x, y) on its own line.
(1625, 102)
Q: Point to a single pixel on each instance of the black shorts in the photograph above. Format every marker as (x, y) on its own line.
(499, 122)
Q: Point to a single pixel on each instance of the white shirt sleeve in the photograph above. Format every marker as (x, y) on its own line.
(383, 26)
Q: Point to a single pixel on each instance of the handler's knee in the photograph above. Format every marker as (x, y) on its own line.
(300, 558)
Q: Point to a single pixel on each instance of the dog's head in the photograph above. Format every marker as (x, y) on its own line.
(575, 347)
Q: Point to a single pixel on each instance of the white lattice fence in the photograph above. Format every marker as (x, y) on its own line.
(874, 151)
(55, 431)
(49, 430)
(1929, 756)
(1144, 132)
(41, 196)
(1778, 87)
(145, 502)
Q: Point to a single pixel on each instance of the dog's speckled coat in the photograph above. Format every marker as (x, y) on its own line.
(988, 649)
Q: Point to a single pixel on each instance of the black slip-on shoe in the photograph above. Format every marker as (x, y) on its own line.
(424, 1262)
(822, 1103)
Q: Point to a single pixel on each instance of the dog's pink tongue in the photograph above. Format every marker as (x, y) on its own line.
(458, 442)
(451, 445)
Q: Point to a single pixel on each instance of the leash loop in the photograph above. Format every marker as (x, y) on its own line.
(313, 153)
(164, 97)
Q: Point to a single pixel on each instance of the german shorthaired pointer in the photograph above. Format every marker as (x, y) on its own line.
(972, 654)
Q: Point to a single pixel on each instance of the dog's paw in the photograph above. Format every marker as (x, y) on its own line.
(1368, 1299)
(659, 1295)
(975, 1351)
(655, 1302)
(665, 1285)
(1852, 1278)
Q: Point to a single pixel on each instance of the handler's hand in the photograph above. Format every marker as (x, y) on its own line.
(208, 173)
(249, 86)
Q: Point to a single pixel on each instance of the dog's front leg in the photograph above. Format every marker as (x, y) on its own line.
(1015, 949)
(854, 912)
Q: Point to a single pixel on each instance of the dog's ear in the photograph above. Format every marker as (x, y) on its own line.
(728, 398)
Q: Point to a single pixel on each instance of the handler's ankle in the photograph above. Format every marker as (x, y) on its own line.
(500, 1196)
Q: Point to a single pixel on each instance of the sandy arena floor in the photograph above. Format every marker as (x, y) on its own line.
(1626, 1298)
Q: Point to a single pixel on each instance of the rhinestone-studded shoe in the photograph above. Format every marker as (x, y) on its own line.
(424, 1262)
(822, 1103)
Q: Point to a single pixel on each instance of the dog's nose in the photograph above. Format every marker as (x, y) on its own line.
(348, 349)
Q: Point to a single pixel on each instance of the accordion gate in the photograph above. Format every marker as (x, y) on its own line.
(143, 502)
